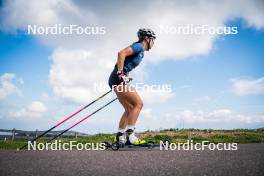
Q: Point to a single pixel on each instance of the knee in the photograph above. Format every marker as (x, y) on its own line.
(139, 105)
(129, 109)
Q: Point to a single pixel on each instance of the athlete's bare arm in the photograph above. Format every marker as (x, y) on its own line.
(122, 56)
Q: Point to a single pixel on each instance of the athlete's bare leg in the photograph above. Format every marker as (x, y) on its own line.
(131, 102)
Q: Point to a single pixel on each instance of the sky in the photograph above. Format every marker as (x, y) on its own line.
(217, 81)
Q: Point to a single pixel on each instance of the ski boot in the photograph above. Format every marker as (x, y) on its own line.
(132, 139)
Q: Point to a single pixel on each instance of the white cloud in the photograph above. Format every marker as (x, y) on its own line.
(43, 12)
(197, 13)
(7, 87)
(158, 96)
(37, 106)
(34, 110)
(80, 61)
(149, 14)
(74, 73)
(242, 87)
(218, 116)
(147, 113)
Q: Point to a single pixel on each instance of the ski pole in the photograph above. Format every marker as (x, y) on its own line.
(127, 80)
(58, 124)
(80, 121)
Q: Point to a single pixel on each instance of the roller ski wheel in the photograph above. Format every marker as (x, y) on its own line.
(117, 145)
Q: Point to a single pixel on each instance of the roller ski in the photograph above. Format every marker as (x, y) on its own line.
(128, 140)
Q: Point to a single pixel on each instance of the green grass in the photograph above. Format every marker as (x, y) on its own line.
(171, 135)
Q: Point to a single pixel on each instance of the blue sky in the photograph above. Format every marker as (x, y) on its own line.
(220, 86)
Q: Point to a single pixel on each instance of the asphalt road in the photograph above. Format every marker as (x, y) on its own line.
(247, 160)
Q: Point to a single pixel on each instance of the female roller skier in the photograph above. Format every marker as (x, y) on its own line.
(128, 59)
